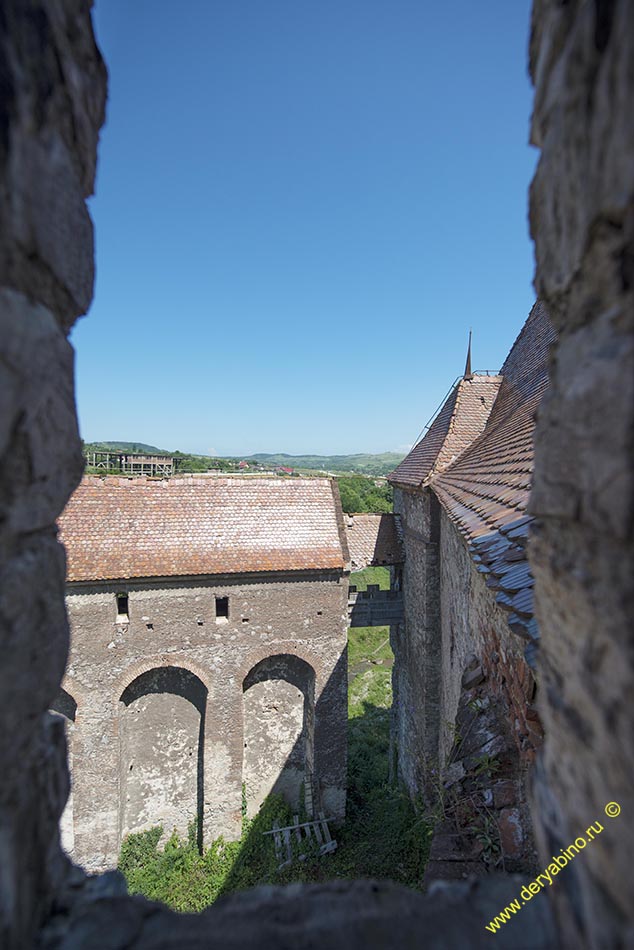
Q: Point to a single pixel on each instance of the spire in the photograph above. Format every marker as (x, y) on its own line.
(467, 369)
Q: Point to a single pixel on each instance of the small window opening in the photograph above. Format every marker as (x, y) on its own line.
(245, 620)
(150, 626)
(222, 608)
(200, 622)
(123, 615)
(319, 613)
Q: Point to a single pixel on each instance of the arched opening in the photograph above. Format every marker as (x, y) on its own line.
(162, 730)
(66, 707)
(279, 723)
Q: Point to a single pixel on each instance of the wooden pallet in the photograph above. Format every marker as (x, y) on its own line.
(303, 833)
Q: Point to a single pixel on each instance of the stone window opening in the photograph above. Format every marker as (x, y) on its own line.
(123, 615)
(222, 609)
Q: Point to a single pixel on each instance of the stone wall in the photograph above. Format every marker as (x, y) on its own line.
(473, 623)
(582, 221)
(451, 615)
(416, 644)
(259, 696)
(53, 85)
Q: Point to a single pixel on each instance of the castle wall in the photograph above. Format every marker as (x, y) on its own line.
(416, 643)
(451, 617)
(473, 624)
(171, 719)
(51, 109)
(582, 222)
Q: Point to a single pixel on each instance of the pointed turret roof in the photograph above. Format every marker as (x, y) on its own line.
(460, 420)
(467, 369)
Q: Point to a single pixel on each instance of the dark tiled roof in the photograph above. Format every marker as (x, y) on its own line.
(486, 491)
(460, 420)
(134, 527)
(373, 539)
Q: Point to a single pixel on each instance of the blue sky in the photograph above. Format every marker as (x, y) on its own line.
(301, 208)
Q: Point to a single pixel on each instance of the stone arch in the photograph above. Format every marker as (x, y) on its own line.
(132, 672)
(279, 725)
(161, 749)
(65, 706)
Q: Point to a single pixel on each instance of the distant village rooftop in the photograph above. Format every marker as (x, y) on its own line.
(117, 527)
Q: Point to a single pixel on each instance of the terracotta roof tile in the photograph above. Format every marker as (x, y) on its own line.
(374, 539)
(493, 475)
(134, 527)
(486, 490)
(460, 420)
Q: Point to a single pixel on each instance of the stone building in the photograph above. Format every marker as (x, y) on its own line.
(208, 626)
(462, 494)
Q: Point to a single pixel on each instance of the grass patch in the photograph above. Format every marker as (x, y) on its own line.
(371, 575)
(368, 643)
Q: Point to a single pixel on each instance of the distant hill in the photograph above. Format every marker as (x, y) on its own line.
(124, 447)
(364, 464)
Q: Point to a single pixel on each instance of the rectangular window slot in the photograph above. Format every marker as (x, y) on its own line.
(122, 609)
(319, 613)
(222, 609)
(245, 620)
(150, 626)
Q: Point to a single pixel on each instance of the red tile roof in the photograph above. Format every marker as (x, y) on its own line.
(488, 486)
(460, 420)
(116, 528)
(486, 491)
(373, 539)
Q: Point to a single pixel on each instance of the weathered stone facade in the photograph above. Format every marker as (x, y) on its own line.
(462, 494)
(124, 752)
(582, 221)
(53, 84)
(205, 682)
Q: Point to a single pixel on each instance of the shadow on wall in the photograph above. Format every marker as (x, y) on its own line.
(66, 707)
(188, 882)
(162, 742)
(279, 727)
(293, 745)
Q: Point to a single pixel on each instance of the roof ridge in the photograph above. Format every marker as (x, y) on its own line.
(436, 468)
(450, 428)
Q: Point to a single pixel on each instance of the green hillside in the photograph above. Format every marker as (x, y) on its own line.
(364, 464)
(141, 447)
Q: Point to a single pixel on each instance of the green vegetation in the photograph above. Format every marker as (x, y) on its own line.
(371, 465)
(382, 836)
(203, 463)
(370, 645)
(186, 463)
(359, 494)
(364, 464)
(371, 575)
(123, 447)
